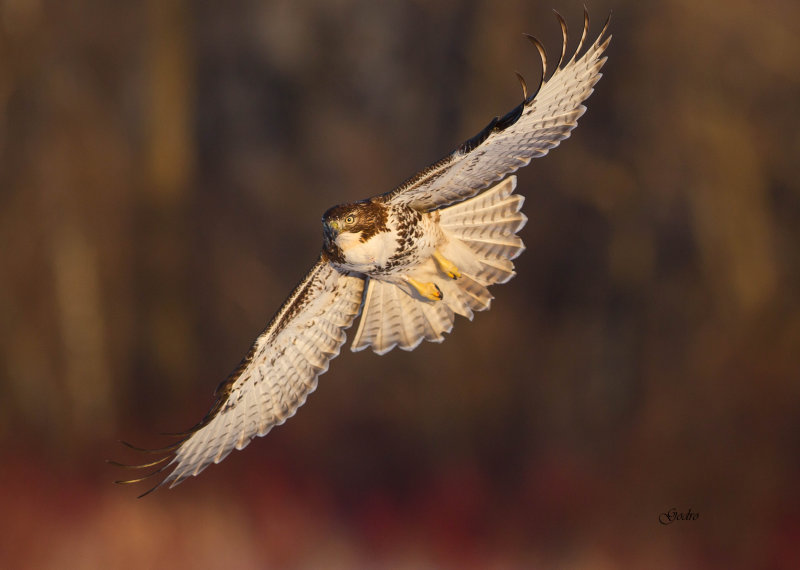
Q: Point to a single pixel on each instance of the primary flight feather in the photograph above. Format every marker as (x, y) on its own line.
(407, 261)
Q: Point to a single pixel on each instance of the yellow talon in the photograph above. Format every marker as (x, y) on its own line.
(446, 265)
(428, 290)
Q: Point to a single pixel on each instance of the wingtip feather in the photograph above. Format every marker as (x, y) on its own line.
(564, 35)
(543, 55)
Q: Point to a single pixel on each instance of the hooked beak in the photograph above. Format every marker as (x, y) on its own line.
(331, 230)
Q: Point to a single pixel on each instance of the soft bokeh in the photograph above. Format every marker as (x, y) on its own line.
(163, 168)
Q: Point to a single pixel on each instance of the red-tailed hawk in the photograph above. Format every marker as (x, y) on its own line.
(407, 261)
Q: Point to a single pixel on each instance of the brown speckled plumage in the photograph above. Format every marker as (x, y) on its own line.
(407, 261)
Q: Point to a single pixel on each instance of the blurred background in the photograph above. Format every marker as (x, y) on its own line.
(163, 168)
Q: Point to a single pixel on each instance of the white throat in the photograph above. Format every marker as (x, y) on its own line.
(363, 256)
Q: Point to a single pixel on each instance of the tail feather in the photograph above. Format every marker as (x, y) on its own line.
(486, 199)
(455, 298)
(480, 298)
(487, 213)
(495, 271)
(391, 317)
(478, 228)
(481, 241)
(488, 223)
(439, 319)
(496, 248)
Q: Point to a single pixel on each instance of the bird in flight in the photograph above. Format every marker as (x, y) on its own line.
(407, 261)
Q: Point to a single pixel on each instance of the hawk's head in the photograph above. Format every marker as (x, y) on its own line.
(347, 224)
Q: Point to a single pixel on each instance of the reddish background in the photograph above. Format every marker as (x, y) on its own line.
(163, 168)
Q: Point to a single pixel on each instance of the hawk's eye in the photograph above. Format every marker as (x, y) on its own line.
(349, 219)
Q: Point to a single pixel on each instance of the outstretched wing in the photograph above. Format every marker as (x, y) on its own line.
(528, 131)
(275, 377)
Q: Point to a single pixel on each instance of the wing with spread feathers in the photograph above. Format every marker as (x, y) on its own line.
(530, 130)
(275, 377)
(283, 365)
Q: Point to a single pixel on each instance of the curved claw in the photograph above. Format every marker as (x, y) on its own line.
(428, 290)
(448, 267)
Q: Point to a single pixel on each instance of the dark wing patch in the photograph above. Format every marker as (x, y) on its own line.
(531, 129)
(496, 125)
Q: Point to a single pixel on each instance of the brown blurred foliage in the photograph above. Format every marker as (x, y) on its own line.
(163, 167)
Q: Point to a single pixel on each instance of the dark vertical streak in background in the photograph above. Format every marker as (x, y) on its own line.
(163, 169)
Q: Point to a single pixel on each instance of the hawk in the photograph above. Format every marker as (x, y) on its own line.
(406, 261)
